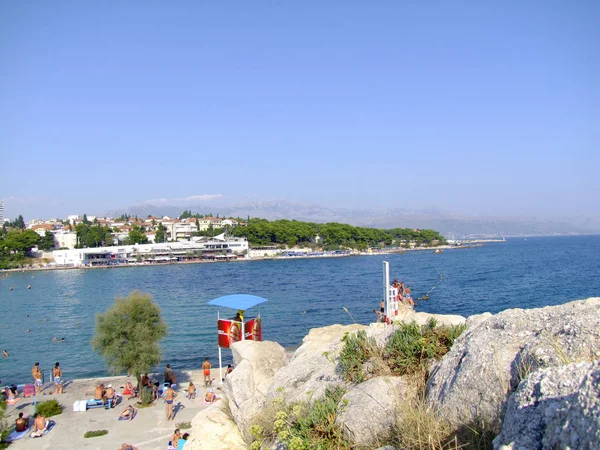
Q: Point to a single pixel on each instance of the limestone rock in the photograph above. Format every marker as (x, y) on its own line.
(313, 367)
(554, 408)
(487, 362)
(408, 315)
(213, 429)
(245, 389)
(369, 409)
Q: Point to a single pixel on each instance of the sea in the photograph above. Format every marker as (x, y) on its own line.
(302, 294)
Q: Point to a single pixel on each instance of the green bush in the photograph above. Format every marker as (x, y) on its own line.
(49, 408)
(95, 433)
(411, 346)
(303, 425)
(356, 351)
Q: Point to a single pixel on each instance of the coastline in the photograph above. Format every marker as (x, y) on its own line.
(473, 244)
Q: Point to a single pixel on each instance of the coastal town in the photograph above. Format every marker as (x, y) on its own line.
(92, 241)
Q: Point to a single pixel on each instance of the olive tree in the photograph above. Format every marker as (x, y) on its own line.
(128, 334)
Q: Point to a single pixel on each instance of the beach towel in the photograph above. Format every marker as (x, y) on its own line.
(15, 436)
(28, 390)
(49, 425)
(80, 406)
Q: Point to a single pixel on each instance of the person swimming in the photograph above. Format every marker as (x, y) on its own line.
(5, 353)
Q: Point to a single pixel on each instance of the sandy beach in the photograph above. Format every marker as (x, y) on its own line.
(148, 431)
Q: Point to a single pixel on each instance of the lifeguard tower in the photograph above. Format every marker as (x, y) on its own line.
(239, 328)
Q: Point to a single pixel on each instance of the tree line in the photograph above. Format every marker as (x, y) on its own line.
(332, 235)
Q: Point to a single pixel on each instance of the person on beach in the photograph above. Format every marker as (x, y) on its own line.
(99, 393)
(169, 375)
(191, 391)
(57, 375)
(210, 396)
(382, 306)
(110, 394)
(182, 441)
(127, 447)
(175, 438)
(206, 370)
(39, 426)
(128, 413)
(21, 424)
(169, 397)
(37, 376)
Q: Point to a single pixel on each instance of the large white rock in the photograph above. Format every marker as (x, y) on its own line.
(245, 389)
(487, 362)
(213, 429)
(369, 410)
(408, 315)
(313, 367)
(554, 408)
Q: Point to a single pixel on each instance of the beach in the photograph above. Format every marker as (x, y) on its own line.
(148, 430)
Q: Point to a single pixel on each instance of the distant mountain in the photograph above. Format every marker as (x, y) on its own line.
(450, 225)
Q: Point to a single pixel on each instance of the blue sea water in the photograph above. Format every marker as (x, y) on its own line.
(302, 293)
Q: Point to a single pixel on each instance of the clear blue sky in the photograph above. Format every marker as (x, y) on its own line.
(465, 106)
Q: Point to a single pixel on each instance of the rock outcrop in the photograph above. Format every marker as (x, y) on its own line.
(487, 362)
(213, 429)
(408, 315)
(313, 368)
(554, 408)
(369, 409)
(246, 388)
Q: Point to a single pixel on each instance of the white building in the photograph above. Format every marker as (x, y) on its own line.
(1, 212)
(217, 248)
(74, 218)
(65, 239)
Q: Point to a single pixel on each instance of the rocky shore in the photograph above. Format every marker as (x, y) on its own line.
(530, 377)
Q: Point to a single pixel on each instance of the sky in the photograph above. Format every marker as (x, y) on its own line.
(479, 108)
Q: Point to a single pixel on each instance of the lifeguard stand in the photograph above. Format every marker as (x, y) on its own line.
(390, 294)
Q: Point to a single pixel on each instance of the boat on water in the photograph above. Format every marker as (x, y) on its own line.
(438, 250)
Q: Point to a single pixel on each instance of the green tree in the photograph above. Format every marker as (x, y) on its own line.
(136, 236)
(46, 242)
(85, 219)
(128, 334)
(161, 233)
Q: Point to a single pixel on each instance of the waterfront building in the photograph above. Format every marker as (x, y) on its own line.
(218, 247)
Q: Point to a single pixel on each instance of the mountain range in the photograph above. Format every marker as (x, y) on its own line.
(450, 225)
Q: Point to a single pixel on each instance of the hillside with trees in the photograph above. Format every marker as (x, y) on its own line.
(332, 235)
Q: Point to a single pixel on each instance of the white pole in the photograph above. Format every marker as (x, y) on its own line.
(386, 288)
(220, 363)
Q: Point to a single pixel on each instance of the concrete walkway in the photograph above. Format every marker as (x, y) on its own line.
(148, 431)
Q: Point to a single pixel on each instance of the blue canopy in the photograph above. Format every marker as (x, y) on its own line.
(238, 301)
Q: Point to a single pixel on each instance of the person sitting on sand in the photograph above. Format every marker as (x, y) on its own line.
(210, 396)
(130, 389)
(22, 423)
(109, 394)
(128, 413)
(99, 392)
(182, 441)
(39, 426)
(175, 438)
(191, 391)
